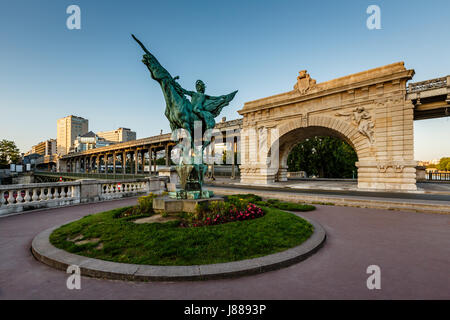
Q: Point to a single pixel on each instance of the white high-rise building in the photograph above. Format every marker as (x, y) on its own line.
(68, 129)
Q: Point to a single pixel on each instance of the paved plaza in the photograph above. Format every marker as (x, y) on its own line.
(412, 250)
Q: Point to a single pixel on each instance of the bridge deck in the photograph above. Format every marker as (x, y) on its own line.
(431, 98)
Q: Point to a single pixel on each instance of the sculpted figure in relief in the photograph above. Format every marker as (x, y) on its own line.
(362, 119)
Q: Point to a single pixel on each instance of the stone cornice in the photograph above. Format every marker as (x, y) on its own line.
(351, 82)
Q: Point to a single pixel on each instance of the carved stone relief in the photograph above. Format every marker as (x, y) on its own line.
(362, 119)
(304, 82)
(397, 167)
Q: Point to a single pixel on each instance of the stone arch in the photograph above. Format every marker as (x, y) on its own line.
(381, 133)
(294, 131)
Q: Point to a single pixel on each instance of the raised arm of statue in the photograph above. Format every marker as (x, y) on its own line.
(181, 90)
(157, 71)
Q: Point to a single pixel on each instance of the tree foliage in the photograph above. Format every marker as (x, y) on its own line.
(224, 157)
(444, 164)
(325, 157)
(9, 153)
(162, 161)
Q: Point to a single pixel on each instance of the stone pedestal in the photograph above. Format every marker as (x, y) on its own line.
(180, 194)
(258, 174)
(421, 173)
(169, 205)
(387, 175)
(170, 172)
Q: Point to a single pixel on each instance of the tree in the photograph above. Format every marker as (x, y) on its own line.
(444, 164)
(326, 157)
(162, 161)
(9, 153)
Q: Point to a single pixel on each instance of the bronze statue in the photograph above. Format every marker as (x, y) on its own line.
(183, 114)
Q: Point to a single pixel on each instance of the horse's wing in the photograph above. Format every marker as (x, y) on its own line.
(214, 105)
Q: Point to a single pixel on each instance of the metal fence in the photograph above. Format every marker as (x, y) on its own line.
(438, 176)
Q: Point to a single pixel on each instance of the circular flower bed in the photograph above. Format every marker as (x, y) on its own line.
(222, 232)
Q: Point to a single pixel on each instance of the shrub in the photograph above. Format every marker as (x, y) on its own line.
(211, 209)
(200, 211)
(145, 203)
(144, 206)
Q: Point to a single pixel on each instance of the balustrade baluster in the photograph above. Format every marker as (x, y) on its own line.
(11, 197)
(35, 196)
(43, 197)
(19, 198)
(63, 192)
(27, 195)
(52, 192)
(57, 193)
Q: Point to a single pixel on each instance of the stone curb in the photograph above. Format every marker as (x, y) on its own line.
(45, 252)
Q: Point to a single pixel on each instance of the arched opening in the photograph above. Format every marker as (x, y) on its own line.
(322, 157)
(318, 151)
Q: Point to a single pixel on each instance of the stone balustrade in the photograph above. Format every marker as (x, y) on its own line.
(115, 190)
(22, 197)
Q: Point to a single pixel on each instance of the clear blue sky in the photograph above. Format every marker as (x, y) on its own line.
(257, 47)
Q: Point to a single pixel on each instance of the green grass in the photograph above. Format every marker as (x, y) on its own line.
(289, 206)
(273, 203)
(168, 244)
